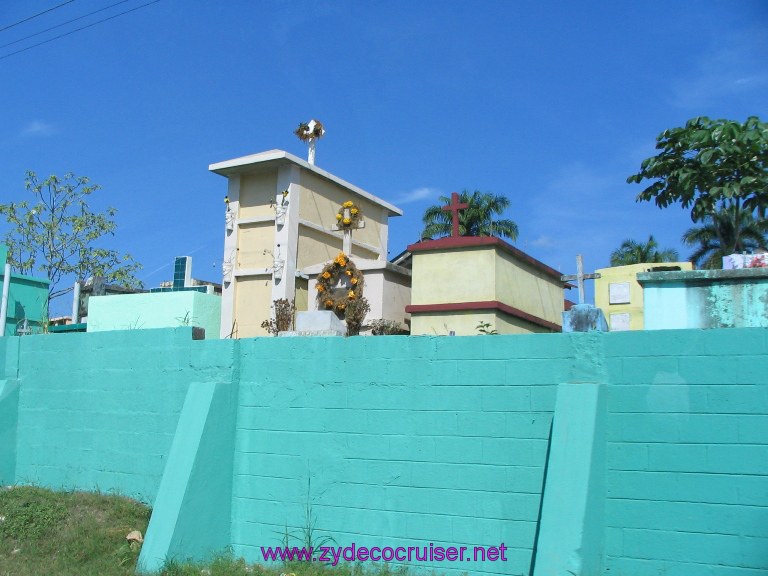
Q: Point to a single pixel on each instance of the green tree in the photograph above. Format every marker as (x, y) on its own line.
(632, 252)
(729, 230)
(475, 220)
(707, 164)
(56, 234)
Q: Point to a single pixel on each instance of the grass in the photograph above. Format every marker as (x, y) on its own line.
(67, 533)
(46, 533)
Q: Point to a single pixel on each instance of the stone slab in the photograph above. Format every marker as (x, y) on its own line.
(294, 333)
(319, 321)
(584, 318)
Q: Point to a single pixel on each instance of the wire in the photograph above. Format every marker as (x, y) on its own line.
(78, 29)
(36, 15)
(63, 24)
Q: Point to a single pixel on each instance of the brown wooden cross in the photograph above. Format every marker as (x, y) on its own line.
(454, 207)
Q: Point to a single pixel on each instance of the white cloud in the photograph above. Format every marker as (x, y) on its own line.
(418, 194)
(38, 128)
(735, 67)
(543, 241)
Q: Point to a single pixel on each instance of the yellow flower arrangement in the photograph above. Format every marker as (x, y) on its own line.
(340, 273)
(349, 215)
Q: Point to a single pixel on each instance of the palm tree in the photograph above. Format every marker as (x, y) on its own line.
(475, 220)
(632, 252)
(728, 231)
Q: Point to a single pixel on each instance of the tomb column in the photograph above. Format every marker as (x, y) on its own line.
(285, 249)
(229, 259)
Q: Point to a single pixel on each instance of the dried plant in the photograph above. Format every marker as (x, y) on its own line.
(384, 327)
(283, 320)
(354, 314)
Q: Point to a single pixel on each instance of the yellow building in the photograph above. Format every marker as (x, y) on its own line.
(462, 282)
(620, 295)
(280, 224)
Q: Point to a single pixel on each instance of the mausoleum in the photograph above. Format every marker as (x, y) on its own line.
(463, 283)
(281, 228)
(620, 295)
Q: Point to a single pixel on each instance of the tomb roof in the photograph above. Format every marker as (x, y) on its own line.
(274, 158)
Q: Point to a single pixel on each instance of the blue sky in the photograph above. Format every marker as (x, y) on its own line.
(553, 104)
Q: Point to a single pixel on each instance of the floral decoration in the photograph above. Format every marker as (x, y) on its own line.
(348, 215)
(304, 134)
(340, 270)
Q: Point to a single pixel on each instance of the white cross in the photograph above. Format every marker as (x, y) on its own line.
(579, 277)
(346, 246)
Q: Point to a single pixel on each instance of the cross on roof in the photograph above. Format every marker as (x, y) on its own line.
(579, 277)
(454, 207)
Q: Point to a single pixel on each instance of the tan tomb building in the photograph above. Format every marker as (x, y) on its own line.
(280, 229)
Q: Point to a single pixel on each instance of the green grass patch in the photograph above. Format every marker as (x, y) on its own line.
(67, 533)
(226, 565)
(46, 533)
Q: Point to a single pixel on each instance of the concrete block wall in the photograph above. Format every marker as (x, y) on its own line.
(395, 442)
(403, 441)
(687, 453)
(100, 413)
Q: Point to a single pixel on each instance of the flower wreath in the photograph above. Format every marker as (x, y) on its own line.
(346, 220)
(303, 133)
(341, 268)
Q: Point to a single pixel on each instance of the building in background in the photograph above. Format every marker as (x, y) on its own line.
(24, 307)
(183, 301)
(620, 295)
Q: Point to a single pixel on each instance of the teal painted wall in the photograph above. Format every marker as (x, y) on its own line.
(156, 310)
(9, 408)
(705, 299)
(99, 411)
(27, 298)
(687, 445)
(406, 441)
(411, 440)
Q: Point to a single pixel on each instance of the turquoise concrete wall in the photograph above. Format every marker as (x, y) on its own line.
(100, 411)
(27, 298)
(687, 453)
(197, 483)
(658, 462)
(156, 310)
(9, 407)
(705, 299)
(405, 440)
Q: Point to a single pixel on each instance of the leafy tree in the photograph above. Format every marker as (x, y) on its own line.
(632, 252)
(729, 230)
(475, 220)
(707, 164)
(56, 234)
